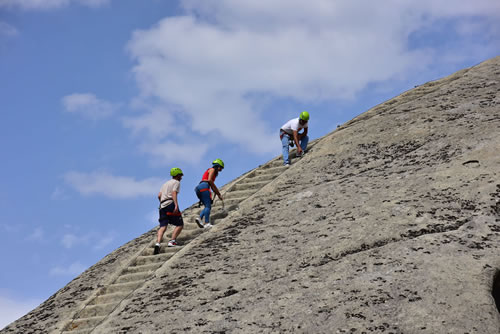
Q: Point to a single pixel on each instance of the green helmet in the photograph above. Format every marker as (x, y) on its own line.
(304, 116)
(218, 162)
(176, 171)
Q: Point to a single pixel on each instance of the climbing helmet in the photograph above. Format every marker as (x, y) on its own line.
(218, 162)
(176, 171)
(304, 116)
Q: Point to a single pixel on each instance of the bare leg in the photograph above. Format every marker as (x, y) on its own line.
(176, 232)
(161, 231)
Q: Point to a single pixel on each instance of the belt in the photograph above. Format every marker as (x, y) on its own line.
(282, 133)
(204, 189)
(174, 213)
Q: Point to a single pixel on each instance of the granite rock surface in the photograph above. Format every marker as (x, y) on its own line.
(389, 224)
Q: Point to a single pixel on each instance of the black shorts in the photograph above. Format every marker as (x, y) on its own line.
(167, 216)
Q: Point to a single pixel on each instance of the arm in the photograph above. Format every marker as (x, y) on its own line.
(211, 177)
(296, 140)
(174, 197)
(159, 196)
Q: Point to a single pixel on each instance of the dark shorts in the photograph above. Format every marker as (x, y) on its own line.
(167, 216)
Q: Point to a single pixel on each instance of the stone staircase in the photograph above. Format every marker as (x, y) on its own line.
(106, 299)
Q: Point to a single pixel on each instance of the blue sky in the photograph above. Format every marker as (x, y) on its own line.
(100, 98)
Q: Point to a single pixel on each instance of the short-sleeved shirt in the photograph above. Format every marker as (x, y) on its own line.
(293, 125)
(166, 191)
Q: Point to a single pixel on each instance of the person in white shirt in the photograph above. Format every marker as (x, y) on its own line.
(290, 131)
(169, 209)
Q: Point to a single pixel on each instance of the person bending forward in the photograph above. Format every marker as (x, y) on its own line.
(290, 132)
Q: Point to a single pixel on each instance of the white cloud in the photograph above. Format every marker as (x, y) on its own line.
(11, 227)
(74, 269)
(103, 242)
(112, 186)
(151, 218)
(7, 29)
(92, 239)
(69, 240)
(11, 310)
(94, 3)
(50, 4)
(59, 194)
(158, 122)
(168, 152)
(88, 105)
(36, 235)
(220, 59)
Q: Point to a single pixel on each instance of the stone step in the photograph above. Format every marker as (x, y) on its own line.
(240, 193)
(121, 287)
(160, 258)
(98, 310)
(278, 162)
(242, 185)
(292, 154)
(229, 203)
(189, 225)
(189, 232)
(216, 213)
(197, 230)
(125, 278)
(195, 207)
(263, 178)
(109, 298)
(164, 248)
(219, 214)
(84, 323)
(78, 331)
(150, 252)
(142, 269)
(186, 236)
(268, 170)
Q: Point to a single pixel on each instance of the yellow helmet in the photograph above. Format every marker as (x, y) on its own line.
(304, 116)
(218, 162)
(176, 171)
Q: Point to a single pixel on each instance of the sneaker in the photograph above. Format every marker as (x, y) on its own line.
(286, 165)
(172, 243)
(198, 222)
(207, 225)
(157, 249)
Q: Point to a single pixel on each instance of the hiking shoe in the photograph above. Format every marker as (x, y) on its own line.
(207, 225)
(172, 243)
(157, 249)
(198, 222)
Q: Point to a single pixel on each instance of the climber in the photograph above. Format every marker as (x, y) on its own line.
(204, 194)
(289, 135)
(169, 209)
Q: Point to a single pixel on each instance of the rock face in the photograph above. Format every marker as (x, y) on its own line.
(390, 224)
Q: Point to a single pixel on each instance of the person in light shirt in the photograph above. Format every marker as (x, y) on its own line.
(290, 132)
(169, 209)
